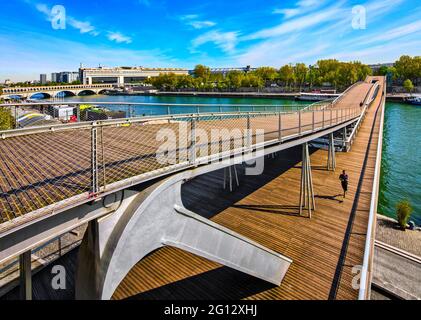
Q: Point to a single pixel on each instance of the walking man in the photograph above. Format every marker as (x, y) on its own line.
(344, 181)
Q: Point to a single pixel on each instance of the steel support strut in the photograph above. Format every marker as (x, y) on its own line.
(229, 171)
(94, 161)
(25, 276)
(306, 189)
(331, 156)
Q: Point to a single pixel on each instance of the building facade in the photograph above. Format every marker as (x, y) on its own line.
(43, 78)
(122, 75)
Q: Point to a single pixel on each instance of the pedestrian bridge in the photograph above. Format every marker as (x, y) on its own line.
(54, 91)
(124, 178)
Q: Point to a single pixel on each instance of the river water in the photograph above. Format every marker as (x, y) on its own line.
(401, 158)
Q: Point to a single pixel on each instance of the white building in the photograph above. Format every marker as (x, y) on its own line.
(122, 75)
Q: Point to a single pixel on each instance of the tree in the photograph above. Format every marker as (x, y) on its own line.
(286, 74)
(300, 73)
(266, 73)
(407, 84)
(383, 70)
(6, 119)
(201, 71)
(235, 79)
(406, 67)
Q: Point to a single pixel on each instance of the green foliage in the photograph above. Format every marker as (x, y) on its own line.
(7, 121)
(201, 71)
(339, 74)
(409, 67)
(267, 73)
(407, 84)
(403, 213)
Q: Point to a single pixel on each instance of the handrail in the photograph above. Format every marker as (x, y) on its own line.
(98, 185)
(368, 248)
(93, 103)
(363, 113)
(346, 91)
(143, 119)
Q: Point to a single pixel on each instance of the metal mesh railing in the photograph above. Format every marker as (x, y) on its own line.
(51, 167)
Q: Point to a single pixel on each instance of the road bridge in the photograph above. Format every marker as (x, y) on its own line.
(53, 91)
(56, 178)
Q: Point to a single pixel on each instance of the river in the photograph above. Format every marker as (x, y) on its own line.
(401, 158)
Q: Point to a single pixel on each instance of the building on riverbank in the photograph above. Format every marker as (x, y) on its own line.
(122, 75)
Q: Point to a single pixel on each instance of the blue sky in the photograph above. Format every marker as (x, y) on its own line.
(218, 33)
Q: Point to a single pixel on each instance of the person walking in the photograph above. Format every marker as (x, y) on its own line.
(344, 181)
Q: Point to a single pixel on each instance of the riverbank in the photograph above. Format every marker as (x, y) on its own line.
(260, 95)
(387, 231)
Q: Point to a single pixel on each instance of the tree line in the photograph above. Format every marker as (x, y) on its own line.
(329, 72)
(406, 71)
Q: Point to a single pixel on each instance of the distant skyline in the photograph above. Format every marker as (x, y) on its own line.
(164, 33)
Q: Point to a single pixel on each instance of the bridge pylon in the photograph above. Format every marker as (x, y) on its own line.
(306, 189)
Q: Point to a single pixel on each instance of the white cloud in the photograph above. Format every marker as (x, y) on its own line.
(202, 24)
(395, 33)
(226, 41)
(119, 37)
(298, 24)
(302, 7)
(189, 17)
(82, 26)
(43, 8)
(194, 21)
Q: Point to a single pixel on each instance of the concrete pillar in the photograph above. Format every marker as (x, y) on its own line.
(25, 276)
(120, 80)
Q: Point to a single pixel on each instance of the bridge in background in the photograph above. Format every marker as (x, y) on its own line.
(56, 178)
(53, 91)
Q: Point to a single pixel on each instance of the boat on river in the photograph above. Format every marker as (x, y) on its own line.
(414, 100)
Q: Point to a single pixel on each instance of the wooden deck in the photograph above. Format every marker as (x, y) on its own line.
(324, 249)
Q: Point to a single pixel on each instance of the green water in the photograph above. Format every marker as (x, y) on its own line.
(401, 159)
(220, 104)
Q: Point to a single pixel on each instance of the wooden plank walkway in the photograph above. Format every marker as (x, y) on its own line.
(324, 249)
(43, 169)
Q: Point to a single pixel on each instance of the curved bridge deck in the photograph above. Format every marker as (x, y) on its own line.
(324, 249)
(43, 170)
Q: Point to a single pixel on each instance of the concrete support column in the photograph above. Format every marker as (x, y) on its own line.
(306, 189)
(120, 80)
(25, 276)
(331, 156)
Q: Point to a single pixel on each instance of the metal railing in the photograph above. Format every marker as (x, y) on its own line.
(366, 274)
(370, 97)
(48, 168)
(94, 111)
